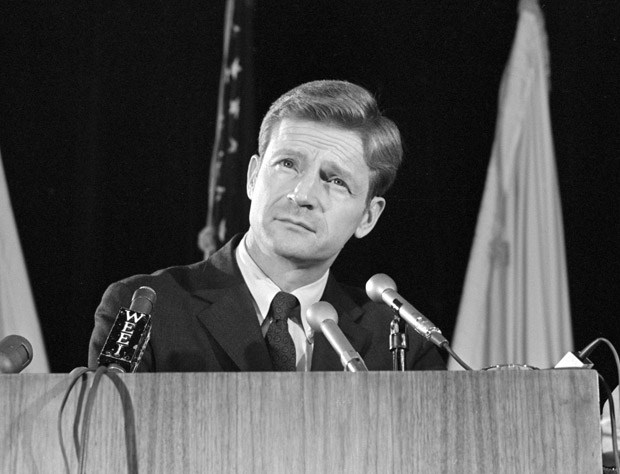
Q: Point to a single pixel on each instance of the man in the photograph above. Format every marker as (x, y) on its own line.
(326, 157)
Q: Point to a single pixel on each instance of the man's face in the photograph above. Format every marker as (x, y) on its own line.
(309, 193)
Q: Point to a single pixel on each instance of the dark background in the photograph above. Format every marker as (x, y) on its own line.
(107, 117)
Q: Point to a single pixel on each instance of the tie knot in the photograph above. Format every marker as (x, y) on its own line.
(282, 305)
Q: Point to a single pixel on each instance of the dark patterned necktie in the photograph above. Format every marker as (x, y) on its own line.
(279, 341)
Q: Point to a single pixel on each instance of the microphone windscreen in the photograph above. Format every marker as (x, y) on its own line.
(143, 300)
(15, 354)
(319, 312)
(376, 286)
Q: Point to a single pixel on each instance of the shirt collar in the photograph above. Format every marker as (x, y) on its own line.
(263, 289)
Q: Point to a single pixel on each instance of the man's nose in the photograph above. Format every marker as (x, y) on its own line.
(307, 191)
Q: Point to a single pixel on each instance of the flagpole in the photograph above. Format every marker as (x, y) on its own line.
(206, 239)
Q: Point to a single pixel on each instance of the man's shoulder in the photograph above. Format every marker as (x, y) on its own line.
(218, 271)
(166, 282)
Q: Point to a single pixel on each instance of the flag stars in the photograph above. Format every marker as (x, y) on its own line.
(233, 145)
(219, 193)
(234, 69)
(234, 107)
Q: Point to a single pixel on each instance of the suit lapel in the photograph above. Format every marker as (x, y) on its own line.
(223, 304)
(231, 320)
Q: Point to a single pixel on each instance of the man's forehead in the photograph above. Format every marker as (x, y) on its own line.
(299, 136)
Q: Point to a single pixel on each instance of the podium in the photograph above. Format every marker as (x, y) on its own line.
(493, 422)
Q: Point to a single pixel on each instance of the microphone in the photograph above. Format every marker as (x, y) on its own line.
(322, 317)
(382, 289)
(15, 354)
(130, 333)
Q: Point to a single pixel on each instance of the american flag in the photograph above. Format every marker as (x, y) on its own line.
(235, 136)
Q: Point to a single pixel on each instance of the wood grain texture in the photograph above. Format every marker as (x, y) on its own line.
(378, 422)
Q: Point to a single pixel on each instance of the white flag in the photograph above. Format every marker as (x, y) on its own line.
(515, 304)
(18, 314)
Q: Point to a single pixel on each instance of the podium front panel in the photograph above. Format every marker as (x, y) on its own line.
(539, 421)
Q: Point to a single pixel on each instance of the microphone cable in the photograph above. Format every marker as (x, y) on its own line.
(455, 356)
(83, 415)
(612, 419)
(583, 354)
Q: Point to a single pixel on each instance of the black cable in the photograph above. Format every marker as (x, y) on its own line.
(88, 408)
(83, 414)
(612, 418)
(449, 350)
(131, 446)
(584, 353)
(77, 375)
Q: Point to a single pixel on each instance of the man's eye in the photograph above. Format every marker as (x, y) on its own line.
(338, 182)
(287, 163)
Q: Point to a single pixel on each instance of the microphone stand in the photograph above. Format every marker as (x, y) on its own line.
(398, 343)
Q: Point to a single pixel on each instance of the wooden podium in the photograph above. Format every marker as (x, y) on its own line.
(538, 421)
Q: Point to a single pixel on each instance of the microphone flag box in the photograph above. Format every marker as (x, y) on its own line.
(127, 340)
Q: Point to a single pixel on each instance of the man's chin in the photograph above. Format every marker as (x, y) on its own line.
(298, 250)
(295, 250)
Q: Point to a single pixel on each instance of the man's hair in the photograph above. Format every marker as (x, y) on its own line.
(349, 107)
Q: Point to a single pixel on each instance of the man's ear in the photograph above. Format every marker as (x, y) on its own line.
(370, 217)
(253, 167)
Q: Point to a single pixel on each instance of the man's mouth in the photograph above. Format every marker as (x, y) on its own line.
(298, 223)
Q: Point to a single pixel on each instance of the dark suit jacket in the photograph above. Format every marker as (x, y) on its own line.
(204, 320)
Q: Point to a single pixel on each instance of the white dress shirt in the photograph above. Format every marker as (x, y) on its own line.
(263, 290)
